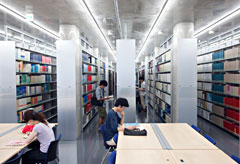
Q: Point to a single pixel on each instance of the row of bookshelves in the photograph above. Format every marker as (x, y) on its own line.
(36, 83)
(231, 93)
(24, 102)
(221, 78)
(47, 82)
(231, 103)
(22, 51)
(32, 62)
(30, 95)
(32, 68)
(163, 110)
(29, 55)
(229, 115)
(219, 87)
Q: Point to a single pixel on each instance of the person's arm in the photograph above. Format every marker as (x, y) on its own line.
(98, 96)
(31, 137)
(122, 119)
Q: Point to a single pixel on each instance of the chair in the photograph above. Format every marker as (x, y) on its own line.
(235, 158)
(51, 154)
(196, 128)
(16, 159)
(110, 148)
(210, 139)
(112, 157)
(55, 130)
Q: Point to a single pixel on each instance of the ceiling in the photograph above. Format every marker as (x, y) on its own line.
(136, 17)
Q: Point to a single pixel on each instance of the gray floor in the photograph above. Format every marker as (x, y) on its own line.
(89, 149)
(225, 141)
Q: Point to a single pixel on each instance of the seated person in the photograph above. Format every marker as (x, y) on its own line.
(42, 131)
(114, 123)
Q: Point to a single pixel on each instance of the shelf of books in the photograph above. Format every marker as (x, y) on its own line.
(110, 80)
(219, 87)
(150, 83)
(102, 70)
(36, 83)
(163, 86)
(89, 85)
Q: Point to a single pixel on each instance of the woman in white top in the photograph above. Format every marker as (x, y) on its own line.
(42, 131)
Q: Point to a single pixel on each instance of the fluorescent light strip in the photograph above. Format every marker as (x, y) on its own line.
(95, 22)
(151, 29)
(22, 18)
(217, 22)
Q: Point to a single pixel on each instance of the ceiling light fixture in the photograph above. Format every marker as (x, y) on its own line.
(211, 32)
(2, 32)
(33, 23)
(85, 6)
(160, 32)
(152, 29)
(217, 22)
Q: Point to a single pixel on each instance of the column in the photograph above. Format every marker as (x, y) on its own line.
(126, 76)
(184, 74)
(69, 71)
(147, 58)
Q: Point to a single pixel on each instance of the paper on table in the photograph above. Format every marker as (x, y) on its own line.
(16, 143)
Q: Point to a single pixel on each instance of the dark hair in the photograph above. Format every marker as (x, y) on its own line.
(122, 102)
(32, 115)
(104, 83)
(141, 78)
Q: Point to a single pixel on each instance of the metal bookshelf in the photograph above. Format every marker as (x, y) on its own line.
(206, 104)
(49, 96)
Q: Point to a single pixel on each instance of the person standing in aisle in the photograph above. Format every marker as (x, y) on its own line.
(142, 93)
(114, 123)
(42, 131)
(100, 97)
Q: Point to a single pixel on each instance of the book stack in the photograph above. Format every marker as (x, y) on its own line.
(24, 102)
(36, 99)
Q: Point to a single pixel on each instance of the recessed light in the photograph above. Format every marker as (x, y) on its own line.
(211, 32)
(160, 32)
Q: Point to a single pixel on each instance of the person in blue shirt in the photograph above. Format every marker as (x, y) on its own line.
(113, 122)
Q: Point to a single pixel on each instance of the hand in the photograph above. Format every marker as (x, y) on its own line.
(122, 113)
(107, 98)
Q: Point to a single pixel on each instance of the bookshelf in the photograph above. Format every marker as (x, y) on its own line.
(150, 83)
(102, 70)
(162, 99)
(110, 79)
(89, 85)
(35, 83)
(219, 86)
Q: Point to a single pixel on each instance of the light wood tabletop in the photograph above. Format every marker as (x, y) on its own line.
(6, 154)
(144, 157)
(6, 127)
(139, 142)
(15, 135)
(183, 136)
(201, 157)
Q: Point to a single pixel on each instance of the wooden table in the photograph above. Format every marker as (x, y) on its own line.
(6, 127)
(144, 157)
(201, 157)
(182, 136)
(186, 147)
(6, 152)
(140, 142)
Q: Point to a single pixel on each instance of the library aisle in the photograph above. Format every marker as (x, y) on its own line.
(68, 62)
